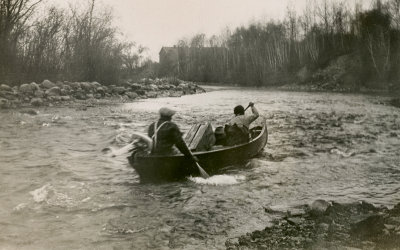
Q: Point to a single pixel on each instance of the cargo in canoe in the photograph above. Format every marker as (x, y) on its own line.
(176, 167)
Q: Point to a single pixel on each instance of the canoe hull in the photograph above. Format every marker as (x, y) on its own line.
(170, 168)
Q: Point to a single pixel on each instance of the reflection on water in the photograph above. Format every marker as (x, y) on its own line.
(59, 191)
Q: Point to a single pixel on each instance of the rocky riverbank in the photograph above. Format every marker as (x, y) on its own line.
(48, 93)
(328, 225)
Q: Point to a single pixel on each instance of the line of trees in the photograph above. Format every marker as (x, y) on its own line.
(63, 44)
(274, 52)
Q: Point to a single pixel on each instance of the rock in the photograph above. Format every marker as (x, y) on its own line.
(4, 103)
(80, 95)
(34, 86)
(36, 102)
(95, 85)
(26, 89)
(54, 91)
(141, 92)
(151, 94)
(5, 87)
(59, 84)
(55, 98)
(101, 91)
(153, 87)
(295, 220)
(323, 227)
(74, 85)
(119, 90)
(135, 86)
(86, 86)
(65, 98)
(176, 93)
(132, 95)
(39, 94)
(319, 207)
(389, 226)
(90, 96)
(372, 226)
(9, 95)
(48, 84)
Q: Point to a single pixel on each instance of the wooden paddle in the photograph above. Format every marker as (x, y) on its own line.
(202, 171)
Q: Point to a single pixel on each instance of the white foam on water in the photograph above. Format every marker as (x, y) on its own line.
(40, 194)
(113, 152)
(341, 153)
(19, 207)
(218, 180)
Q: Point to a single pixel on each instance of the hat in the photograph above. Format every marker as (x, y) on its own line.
(164, 111)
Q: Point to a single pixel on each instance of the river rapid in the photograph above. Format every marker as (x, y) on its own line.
(60, 191)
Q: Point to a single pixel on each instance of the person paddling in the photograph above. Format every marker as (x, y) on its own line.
(166, 134)
(237, 129)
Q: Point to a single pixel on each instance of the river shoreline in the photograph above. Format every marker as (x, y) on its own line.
(327, 225)
(79, 94)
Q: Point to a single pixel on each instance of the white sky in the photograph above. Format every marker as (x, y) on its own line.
(157, 23)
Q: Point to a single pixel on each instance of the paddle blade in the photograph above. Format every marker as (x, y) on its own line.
(202, 171)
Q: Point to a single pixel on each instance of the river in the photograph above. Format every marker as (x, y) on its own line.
(59, 191)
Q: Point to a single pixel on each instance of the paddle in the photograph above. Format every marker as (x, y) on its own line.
(202, 171)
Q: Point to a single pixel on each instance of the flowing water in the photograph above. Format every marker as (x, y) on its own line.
(60, 191)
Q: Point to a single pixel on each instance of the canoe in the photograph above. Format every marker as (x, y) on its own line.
(176, 167)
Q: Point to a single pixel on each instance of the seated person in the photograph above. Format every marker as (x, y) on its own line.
(166, 134)
(237, 129)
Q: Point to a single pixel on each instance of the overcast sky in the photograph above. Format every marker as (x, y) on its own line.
(157, 23)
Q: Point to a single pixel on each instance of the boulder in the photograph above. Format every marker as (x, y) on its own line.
(55, 98)
(135, 86)
(95, 85)
(65, 98)
(86, 86)
(100, 91)
(74, 85)
(176, 93)
(153, 87)
(371, 226)
(119, 90)
(9, 95)
(39, 94)
(59, 84)
(80, 95)
(36, 102)
(34, 86)
(48, 84)
(319, 207)
(5, 87)
(66, 87)
(54, 91)
(4, 103)
(151, 94)
(26, 89)
(132, 95)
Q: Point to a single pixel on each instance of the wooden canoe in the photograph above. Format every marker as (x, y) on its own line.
(175, 167)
